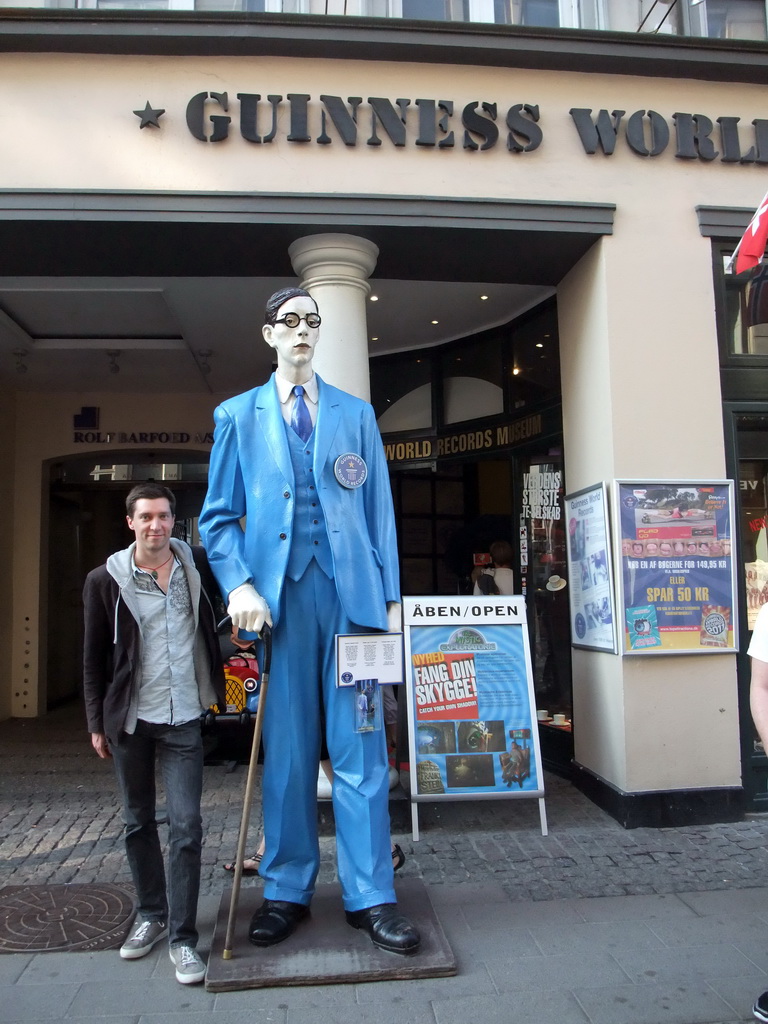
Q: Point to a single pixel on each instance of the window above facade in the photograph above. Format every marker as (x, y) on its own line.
(716, 19)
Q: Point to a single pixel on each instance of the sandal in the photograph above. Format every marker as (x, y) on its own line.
(255, 860)
(398, 857)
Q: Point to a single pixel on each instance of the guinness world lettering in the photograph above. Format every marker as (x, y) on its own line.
(479, 125)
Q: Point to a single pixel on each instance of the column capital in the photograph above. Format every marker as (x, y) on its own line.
(328, 259)
(335, 270)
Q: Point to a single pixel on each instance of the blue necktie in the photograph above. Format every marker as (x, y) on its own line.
(301, 421)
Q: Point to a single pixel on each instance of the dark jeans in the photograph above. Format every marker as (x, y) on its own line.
(179, 752)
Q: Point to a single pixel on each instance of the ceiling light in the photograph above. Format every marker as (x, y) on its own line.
(374, 298)
(483, 298)
(435, 321)
(539, 344)
(515, 371)
(374, 339)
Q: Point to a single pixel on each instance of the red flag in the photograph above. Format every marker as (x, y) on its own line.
(751, 248)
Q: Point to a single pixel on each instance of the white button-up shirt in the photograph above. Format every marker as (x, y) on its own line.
(288, 399)
(168, 693)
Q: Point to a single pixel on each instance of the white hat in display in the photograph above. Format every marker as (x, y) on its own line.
(556, 583)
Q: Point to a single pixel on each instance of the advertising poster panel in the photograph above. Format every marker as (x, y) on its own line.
(676, 566)
(590, 570)
(472, 731)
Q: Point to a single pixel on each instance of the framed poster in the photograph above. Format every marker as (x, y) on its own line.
(471, 728)
(590, 570)
(677, 580)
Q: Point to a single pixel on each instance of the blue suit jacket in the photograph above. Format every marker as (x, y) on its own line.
(251, 475)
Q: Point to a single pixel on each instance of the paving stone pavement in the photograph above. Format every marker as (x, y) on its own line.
(592, 923)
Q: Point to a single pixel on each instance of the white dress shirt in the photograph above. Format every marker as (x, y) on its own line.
(288, 399)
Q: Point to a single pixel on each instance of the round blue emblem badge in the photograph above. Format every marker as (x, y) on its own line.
(350, 470)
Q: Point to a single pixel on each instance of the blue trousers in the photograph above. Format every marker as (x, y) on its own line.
(303, 693)
(179, 752)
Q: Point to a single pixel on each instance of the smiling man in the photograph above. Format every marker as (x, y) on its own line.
(151, 666)
(304, 464)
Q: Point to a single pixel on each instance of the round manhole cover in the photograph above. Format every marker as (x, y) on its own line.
(55, 918)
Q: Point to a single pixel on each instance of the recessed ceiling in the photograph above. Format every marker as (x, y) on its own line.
(201, 334)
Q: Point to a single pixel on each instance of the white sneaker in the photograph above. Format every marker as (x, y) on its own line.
(189, 967)
(142, 938)
(760, 1009)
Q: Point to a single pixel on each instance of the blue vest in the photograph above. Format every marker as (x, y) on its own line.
(310, 534)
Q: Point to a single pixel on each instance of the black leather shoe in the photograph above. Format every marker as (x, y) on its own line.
(398, 857)
(387, 928)
(274, 921)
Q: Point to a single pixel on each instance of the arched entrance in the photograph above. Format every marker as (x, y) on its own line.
(85, 523)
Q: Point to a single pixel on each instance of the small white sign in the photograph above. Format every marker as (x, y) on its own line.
(369, 656)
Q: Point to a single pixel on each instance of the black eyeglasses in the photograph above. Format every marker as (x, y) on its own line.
(293, 320)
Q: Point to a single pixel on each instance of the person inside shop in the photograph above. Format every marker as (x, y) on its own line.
(151, 665)
(758, 702)
(304, 464)
(498, 578)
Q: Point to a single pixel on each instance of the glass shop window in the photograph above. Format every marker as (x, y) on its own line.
(743, 300)
(753, 514)
(533, 377)
(436, 10)
(401, 391)
(543, 13)
(542, 526)
(472, 373)
(735, 19)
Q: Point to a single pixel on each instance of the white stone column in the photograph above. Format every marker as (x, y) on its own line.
(335, 269)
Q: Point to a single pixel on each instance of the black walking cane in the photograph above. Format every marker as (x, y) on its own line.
(266, 636)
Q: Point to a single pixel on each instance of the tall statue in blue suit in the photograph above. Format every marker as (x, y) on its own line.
(304, 463)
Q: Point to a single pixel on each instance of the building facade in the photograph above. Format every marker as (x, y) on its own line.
(517, 235)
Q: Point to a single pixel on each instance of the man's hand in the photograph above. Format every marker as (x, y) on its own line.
(394, 616)
(99, 743)
(248, 609)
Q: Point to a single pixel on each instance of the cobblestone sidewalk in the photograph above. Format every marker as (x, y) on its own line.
(59, 822)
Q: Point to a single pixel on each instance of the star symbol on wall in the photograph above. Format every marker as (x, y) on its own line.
(149, 116)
